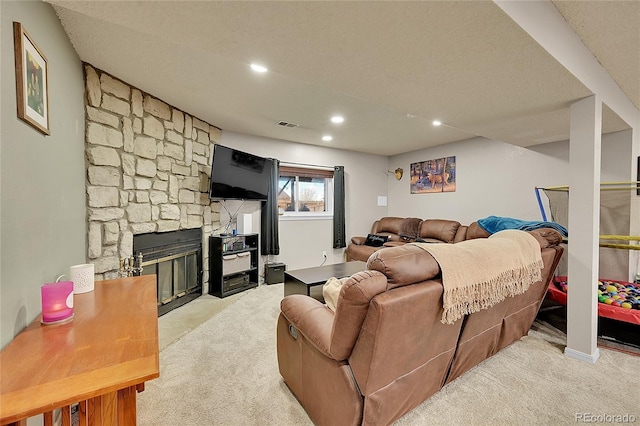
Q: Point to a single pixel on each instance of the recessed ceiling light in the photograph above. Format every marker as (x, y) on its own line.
(337, 119)
(327, 138)
(258, 68)
(436, 122)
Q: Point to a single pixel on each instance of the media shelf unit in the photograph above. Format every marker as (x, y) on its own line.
(233, 263)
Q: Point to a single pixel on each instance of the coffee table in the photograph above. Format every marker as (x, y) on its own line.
(301, 281)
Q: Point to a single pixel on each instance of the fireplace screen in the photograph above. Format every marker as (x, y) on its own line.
(176, 260)
(177, 275)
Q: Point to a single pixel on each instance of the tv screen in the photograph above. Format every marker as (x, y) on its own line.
(238, 175)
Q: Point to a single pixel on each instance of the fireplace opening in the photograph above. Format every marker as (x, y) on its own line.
(176, 260)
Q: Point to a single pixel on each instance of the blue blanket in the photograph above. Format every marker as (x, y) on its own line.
(493, 224)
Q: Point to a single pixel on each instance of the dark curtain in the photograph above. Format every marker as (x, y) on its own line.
(269, 218)
(339, 236)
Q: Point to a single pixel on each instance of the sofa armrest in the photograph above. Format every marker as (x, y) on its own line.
(311, 318)
(547, 237)
(358, 240)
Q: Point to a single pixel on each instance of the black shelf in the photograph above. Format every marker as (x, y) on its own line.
(230, 278)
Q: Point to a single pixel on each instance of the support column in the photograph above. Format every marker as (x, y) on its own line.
(584, 229)
(634, 213)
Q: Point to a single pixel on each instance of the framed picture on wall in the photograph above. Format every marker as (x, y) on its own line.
(32, 80)
(437, 175)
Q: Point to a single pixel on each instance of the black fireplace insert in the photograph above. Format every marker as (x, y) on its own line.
(176, 260)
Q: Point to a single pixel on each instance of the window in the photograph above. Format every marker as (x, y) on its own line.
(305, 191)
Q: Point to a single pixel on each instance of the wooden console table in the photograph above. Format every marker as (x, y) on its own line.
(100, 359)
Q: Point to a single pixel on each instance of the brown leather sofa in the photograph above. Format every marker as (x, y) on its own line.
(385, 350)
(401, 230)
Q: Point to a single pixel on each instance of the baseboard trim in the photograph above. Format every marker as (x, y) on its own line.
(590, 358)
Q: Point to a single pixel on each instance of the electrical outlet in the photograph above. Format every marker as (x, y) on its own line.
(324, 254)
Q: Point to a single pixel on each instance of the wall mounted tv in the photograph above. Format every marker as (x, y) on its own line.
(238, 175)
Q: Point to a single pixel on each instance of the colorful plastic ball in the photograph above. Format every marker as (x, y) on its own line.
(626, 305)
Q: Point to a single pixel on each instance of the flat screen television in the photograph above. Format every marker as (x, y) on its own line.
(238, 175)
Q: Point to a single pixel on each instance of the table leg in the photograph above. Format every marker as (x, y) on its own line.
(127, 406)
(106, 409)
(295, 287)
(66, 415)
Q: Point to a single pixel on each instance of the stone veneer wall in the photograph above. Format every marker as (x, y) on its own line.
(148, 167)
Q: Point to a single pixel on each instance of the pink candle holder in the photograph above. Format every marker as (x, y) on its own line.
(57, 302)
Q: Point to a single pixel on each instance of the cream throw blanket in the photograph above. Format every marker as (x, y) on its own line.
(477, 274)
(331, 291)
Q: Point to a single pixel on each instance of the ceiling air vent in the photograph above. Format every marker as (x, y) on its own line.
(286, 124)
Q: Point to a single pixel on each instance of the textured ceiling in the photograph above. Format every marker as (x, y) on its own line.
(389, 67)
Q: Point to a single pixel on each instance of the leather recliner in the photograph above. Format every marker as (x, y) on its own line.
(385, 350)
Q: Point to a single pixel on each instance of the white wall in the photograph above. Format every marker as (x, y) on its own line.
(616, 152)
(303, 241)
(43, 213)
(492, 178)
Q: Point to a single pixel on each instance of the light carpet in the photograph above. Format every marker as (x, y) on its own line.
(225, 372)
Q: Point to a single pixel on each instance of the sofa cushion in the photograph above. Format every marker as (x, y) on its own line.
(410, 229)
(398, 228)
(360, 252)
(439, 229)
(461, 234)
(388, 224)
(394, 243)
(374, 240)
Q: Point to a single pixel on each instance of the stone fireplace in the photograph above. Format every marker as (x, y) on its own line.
(148, 166)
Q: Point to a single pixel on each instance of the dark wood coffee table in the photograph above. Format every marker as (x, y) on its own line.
(301, 281)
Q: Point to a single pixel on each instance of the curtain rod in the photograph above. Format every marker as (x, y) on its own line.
(316, 166)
